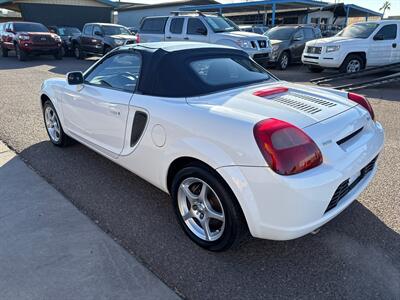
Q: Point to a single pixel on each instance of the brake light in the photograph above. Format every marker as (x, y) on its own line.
(270, 91)
(363, 102)
(137, 38)
(287, 149)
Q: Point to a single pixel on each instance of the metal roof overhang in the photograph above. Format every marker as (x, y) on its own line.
(243, 7)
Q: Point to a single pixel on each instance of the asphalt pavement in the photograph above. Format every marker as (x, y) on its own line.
(354, 256)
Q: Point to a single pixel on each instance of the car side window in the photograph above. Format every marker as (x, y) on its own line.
(308, 33)
(176, 25)
(196, 27)
(120, 71)
(388, 32)
(299, 35)
(154, 25)
(88, 30)
(96, 28)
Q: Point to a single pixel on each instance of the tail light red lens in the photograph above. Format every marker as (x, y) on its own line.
(363, 102)
(287, 149)
(137, 38)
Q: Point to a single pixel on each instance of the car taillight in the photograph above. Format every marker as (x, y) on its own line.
(287, 149)
(137, 38)
(363, 102)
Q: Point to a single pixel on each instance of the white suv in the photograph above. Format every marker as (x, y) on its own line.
(357, 46)
(207, 28)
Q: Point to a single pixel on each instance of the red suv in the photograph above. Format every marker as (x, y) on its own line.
(29, 38)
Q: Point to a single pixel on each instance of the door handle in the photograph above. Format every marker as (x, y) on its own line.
(394, 45)
(185, 38)
(167, 37)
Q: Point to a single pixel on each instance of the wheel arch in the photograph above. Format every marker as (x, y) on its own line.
(185, 161)
(362, 54)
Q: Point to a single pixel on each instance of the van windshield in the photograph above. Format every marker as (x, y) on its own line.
(358, 31)
(221, 24)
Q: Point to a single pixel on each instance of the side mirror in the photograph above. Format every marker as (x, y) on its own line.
(98, 33)
(75, 78)
(9, 30)
(201, 31)
(379, 37)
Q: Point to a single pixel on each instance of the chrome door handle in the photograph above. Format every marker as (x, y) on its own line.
(167, 37)
(185, 38)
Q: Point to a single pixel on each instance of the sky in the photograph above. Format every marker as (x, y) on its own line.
(370, 4)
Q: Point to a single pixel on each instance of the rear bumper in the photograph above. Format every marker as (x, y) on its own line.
(287, 207)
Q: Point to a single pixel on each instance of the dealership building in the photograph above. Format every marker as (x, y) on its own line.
(62, 12)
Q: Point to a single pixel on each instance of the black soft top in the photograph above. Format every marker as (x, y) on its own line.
(165, 67)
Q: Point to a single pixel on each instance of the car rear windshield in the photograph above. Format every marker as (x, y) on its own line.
(115, 30)
(30, 27)
(67, 31)
(360, 30)
(221, 24)
(153, 25)
(225, 72)
(280, 33)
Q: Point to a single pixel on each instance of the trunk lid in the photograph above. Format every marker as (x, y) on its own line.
(301, 106)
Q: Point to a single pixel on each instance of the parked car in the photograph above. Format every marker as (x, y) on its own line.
(259, 29)
(236, 148)
(288, 42)
(360, 45)
(28, 38)
(133, 30)
(207, 28)
(67, 33)
(100, 38)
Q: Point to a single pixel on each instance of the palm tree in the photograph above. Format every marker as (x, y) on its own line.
(385, 6)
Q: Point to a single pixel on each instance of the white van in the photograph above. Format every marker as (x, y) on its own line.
(207, 28)
(360, 45)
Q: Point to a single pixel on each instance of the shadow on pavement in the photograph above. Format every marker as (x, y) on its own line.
(354, 256)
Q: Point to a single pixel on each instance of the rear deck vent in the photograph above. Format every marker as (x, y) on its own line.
(291, 101)
(315, 100)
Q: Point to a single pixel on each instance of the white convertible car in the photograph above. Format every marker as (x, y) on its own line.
(237, 149)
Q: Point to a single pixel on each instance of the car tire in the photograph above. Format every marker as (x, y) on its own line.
(353, 63)
(196, 214)
(315, 69)
(21, 54)
(4, 52)
(53, 126)
(78, 53)
(283, 61)
(59, 55)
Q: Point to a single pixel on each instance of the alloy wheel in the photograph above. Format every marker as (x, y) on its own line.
(284, 61)
(201, 209)
(52, 124)
(353, 66)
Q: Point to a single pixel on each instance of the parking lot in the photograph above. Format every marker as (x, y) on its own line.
(354, 256)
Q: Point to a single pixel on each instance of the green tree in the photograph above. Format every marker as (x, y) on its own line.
(385, 7)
